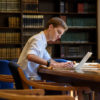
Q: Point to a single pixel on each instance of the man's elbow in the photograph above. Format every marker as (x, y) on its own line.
(29, 56)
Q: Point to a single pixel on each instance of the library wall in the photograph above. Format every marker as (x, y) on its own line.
(23, 18)
(98, 5)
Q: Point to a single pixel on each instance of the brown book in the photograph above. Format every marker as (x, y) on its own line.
(63, 17)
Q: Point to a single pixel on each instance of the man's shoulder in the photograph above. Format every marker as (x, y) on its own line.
(37, 37)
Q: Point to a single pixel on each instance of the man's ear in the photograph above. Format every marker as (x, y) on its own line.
(50, 26)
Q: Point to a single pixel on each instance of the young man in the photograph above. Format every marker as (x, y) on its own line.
(34, 53)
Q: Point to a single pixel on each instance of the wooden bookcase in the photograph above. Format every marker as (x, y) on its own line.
(31, 16)
(10, 29)
(98, 26)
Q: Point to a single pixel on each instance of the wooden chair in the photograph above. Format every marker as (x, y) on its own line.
(6, 78)
(22, 82)
(24, 92)
(36, 94)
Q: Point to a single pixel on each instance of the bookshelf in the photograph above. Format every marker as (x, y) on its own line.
(82, 34)
(28, 17)
(10, 29)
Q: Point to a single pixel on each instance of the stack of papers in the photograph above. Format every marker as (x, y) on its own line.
(91, 66)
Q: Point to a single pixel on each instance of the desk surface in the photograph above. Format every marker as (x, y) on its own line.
(74, 77)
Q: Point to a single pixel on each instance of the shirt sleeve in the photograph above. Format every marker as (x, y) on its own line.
(46, 55)
(34, 48)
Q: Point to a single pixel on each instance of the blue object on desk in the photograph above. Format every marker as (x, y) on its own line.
(4, 69)
(61, 60)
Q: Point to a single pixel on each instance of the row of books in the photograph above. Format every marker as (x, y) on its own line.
(13, 22)
(9, 53)
(9, 5)
(9, 0)
(74, 51)
(79, 21)
(79, 7)
(30, 7)
(9, 38)
(33, 21)
(75, 37)
(27, 34)
(70, 51)
(30, 1)
(85, 7)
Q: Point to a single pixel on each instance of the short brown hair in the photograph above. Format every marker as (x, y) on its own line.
(56, 21)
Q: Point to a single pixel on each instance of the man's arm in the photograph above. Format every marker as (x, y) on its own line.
(36, 59)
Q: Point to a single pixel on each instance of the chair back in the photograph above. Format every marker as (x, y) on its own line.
(14, 70)
(13, 66)
(4, 70)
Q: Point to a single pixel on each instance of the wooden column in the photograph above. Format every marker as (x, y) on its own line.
(98, 22)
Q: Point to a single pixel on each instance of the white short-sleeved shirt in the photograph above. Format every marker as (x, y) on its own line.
(35, 45)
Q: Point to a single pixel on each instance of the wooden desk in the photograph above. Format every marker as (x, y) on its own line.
(74, 77)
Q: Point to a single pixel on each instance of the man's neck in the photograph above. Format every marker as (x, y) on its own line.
(46, 32)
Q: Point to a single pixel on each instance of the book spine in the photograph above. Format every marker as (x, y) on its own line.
(9, 53)
(33, 21)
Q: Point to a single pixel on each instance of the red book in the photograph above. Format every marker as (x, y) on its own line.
(80, 7)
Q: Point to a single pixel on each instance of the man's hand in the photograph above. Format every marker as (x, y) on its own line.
(62, 65)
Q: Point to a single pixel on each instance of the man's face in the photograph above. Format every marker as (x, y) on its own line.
(56, 33)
